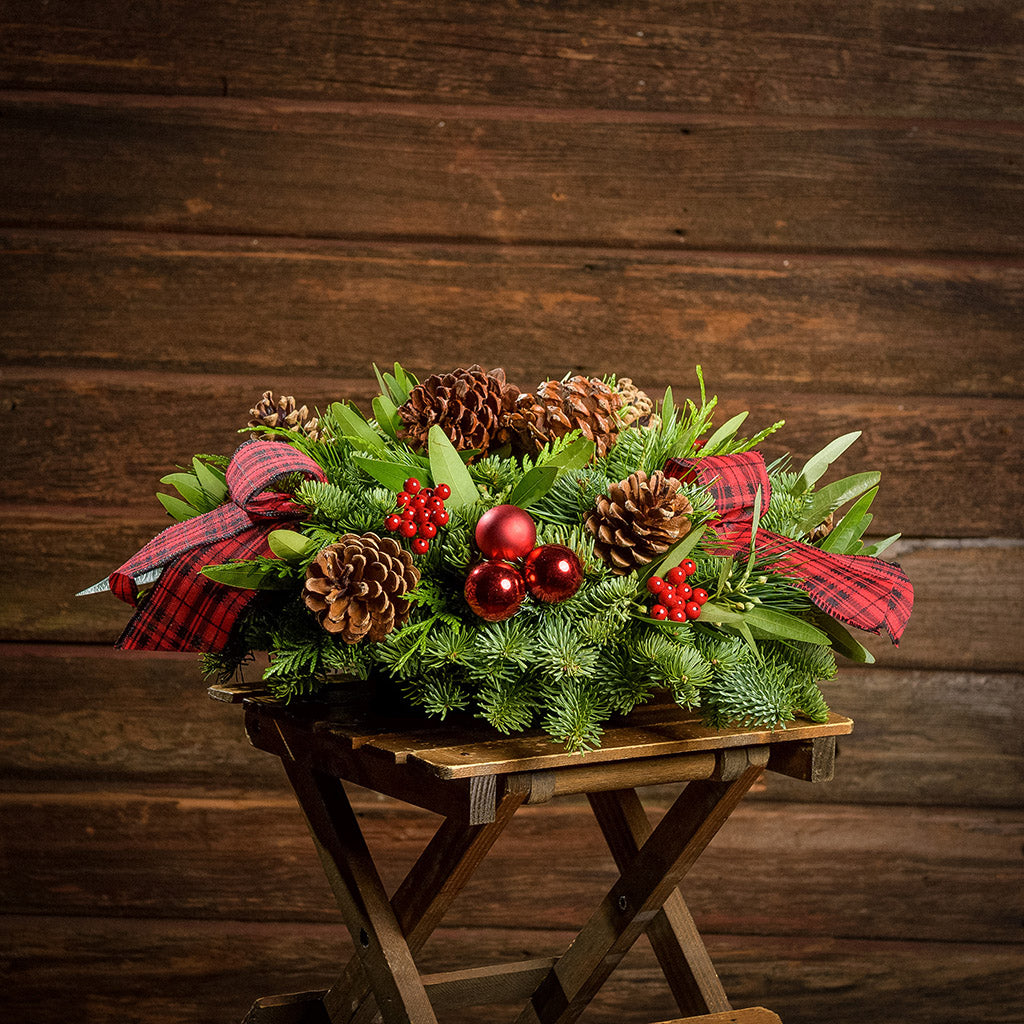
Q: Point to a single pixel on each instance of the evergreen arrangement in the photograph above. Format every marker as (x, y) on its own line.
(550, 558)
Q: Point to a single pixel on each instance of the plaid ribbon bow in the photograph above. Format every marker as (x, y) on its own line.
(186, 611)
(860, 590)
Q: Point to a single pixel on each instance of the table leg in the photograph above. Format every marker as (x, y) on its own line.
(674, 937)
(635, 899)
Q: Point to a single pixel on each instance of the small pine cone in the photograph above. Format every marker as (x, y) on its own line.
(559, 407)
(282, 413)
(638, 520)
(471, 406)
(823, 529)
(637, 408)
(357, 587)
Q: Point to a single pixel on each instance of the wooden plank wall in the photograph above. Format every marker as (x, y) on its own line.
(820, 203)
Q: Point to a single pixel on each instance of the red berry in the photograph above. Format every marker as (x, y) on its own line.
(403, 498)
(428, 530)
(676, 575)
(692, 610)
(688, 565)
(700, 595)
(421, 545)
(685, 592)
(412, 485)
(423, 515)
(656, 584)
(659, 611)
(427, 492)
(393, 522)
(440, 516)
(677, 614)
(436, 503)
(409, 528)
(419, 501)
(669, 597)
(409, 515)
(443, 491)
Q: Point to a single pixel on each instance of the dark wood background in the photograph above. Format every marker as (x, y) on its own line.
(820, 203)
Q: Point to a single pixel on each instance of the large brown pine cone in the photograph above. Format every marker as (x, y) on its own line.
(637, 408)
(471, 406)
(638, 520)
(579, 403)
(357, 586)
(282, 413)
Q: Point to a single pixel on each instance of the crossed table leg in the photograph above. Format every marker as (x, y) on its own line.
(382, 978)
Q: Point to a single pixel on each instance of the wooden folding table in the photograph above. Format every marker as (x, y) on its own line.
(477, 779)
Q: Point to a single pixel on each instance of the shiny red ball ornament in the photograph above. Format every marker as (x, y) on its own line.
(553, 573)
(494, 590)
(506, 531)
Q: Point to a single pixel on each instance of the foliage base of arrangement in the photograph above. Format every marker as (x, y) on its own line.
(550, 558)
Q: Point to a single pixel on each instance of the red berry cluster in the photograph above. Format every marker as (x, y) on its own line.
(677, 601)
(421, 512)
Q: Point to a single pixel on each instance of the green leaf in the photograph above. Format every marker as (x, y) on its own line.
(212, 482)
(391, 474)
(842, 640)
(382, 384)
(290, 545)
(180, 510)
(386, 414)
(533, 486)
(668, 408)
(404, 383)
(839, 493)
(356, 428)
(817, 465)
(448, 468)
(246, 576)
(880, 545)
(674, 555)
(848, 531)
(574, 456)
(755, 522)
(188, 487)
(766, 621)
(725, 433)
(724, 572)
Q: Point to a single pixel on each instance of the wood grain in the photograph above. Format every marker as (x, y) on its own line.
(274, 167)
(287, 309)
(177, 853)
(116, 435)
(162, 971)
(944, 60)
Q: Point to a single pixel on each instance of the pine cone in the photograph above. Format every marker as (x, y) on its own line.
(637, 408)
(470, 406)
(357, 586)
(282, 413)
(580, 403)
(638, 520)
(822, 530)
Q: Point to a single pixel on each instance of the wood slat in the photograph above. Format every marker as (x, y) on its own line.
(949, 470)
(945, 60)
(163, 971)
(94, 716)
(282, 168)
(292, 309)
(182, 854)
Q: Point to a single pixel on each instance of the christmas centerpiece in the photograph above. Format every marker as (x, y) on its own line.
(552, 558)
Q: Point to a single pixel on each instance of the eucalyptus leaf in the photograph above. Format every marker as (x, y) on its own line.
(188, 487)
(386, 414)
(178, 509)
(574, 456)
(668, 409)
(829, 498)
(246, 576)
(405, 382)
(842, 640)
(212, 482)
(356, 428)
(847, 533)
(881, 545)
(817, 465)
(766, 621)
(725, 433)
(290, 545)
(382, 383)
(391, 474)
(448, 468)
(533, 486)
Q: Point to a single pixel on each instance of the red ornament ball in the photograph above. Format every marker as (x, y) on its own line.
(494, 590)
(506, 531)
(553, 573)
(659, 612)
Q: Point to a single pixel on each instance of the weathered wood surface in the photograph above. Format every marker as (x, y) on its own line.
(869, 58)
(177, 853)
(208, 972)
(117, 434)
(288, 310)
(277, 167)
(96, 716)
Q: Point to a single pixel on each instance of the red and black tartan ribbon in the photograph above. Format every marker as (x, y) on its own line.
(859, 590)
(186, 611)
